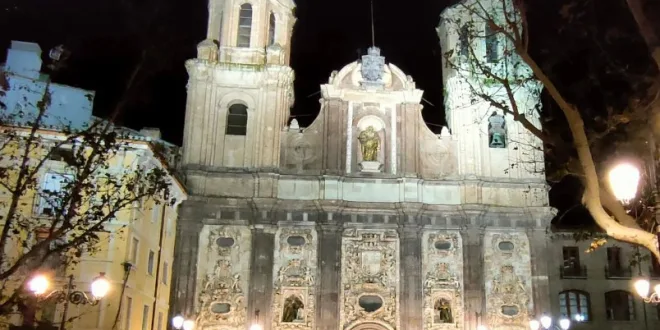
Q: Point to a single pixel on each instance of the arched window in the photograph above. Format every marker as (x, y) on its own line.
(620, 306)
(574, 302)
(464, 41)
(237, 117)
(271, 29)
(491, 44)
(244, 25)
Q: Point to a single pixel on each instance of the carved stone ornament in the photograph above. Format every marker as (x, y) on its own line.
(369, 278)
(373, 67)
(508, 286)
(497, 131)
(443, 275)
(222, 299)
(294, 280)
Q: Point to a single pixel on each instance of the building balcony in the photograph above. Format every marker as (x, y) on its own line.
(573, 272)
(618, 272)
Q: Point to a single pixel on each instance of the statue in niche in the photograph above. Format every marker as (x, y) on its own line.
(496, 131)
(369, 144)
(442, 312)
(293, 310)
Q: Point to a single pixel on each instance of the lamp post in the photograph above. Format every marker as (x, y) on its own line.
(39, 284)
(643, 286)
(624, 181)
(546, 322)
(179, 322)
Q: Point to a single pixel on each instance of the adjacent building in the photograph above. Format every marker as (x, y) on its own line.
(136, 252)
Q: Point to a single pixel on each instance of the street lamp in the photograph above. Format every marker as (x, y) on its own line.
(624, 179)
(643, 286)
(39, 284)
(546, 322)
(482, 327)
(179, 322)
(256, 325)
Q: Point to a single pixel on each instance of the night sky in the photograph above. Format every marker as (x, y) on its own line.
(585, 54)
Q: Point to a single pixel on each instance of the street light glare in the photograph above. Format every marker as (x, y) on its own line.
(255, 326)
(534, 325)
(188, 325)
(482, 327)
(38, 284)
(657, 290)
(564, 323)
(177, 321)
(642, 286)
(546, 322)
(100, 287)
(624, 179)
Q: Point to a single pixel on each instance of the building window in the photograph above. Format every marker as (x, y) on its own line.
(51, 198)
(237, 118)
(145, 317)
(155, 212)
(129, 307)
(271, 29)
(244, 25)
(159, 325)
(620, 306)
(574, 302)
(571, 267)
(491, 44)
(165, 269)
(615, 269)
(134, 251)
(655, 267)
(464, 41)
(150, 266)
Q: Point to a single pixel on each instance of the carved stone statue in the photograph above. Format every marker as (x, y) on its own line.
(496, 131)
(442, 312)
(293, 310)
(369, 144)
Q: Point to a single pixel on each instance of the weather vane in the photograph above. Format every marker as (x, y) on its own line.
(373, 34)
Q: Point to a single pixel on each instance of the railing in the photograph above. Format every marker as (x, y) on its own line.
(573, 271)
(618, 272)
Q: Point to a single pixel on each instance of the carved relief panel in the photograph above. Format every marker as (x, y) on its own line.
(294, 278)
(508, 278)
(442, 269)
(222, 281)
(369, 278)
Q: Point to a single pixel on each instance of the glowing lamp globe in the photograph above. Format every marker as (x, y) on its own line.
(564, 323)
(188, 325)
(657, 290)
(534, 325)
(624, 179)
(177, 322)
(38, 284)
(482, 327)
(642, 286)
(256, 326)
(546, 322)
(100, 287)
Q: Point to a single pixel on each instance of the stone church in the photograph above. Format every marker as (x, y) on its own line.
(365, 219)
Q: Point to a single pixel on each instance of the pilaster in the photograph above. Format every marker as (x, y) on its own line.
(184, 266)
(334, 138)
(329, 254)
(261, 276)
(540, 270)
(410, 279)
(473, 276)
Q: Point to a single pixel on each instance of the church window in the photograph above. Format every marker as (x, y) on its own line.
(244, 25)
(442, 245)
(237, 117)
(296, 240)
(220, 308)
(464, 41)
(370, 303)
(510, 310)
(574, 302)
(225, 242)
(271, 30)
(505, 246)
(491, 44)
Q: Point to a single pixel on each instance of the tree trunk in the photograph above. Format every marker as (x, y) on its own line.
(646, 29)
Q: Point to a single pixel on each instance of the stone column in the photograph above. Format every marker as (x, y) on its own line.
(260, 296)
(410, 278)
(334, 136)
(473, 277)
(329, 277)
(540, 281)
(184, 266)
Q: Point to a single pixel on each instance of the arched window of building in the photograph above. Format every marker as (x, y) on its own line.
(620, 306)
(271, 29)
(574, 302)
(491, 44)
(237, 118)
(244, 25)
(464, 41)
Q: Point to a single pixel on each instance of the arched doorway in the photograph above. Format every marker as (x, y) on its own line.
(369, 326)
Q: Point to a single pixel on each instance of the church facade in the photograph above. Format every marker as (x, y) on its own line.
(365, 219)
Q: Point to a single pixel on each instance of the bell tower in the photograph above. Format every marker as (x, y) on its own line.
(240, 86)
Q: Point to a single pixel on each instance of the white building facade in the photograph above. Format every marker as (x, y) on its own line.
(363, 220)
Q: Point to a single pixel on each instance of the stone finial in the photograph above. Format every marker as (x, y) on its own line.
(445, 132)
(294, 126)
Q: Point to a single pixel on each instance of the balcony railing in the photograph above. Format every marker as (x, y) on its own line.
(618, 272)
(573, 271)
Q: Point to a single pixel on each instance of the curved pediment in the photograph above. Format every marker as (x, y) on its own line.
(350, 77)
